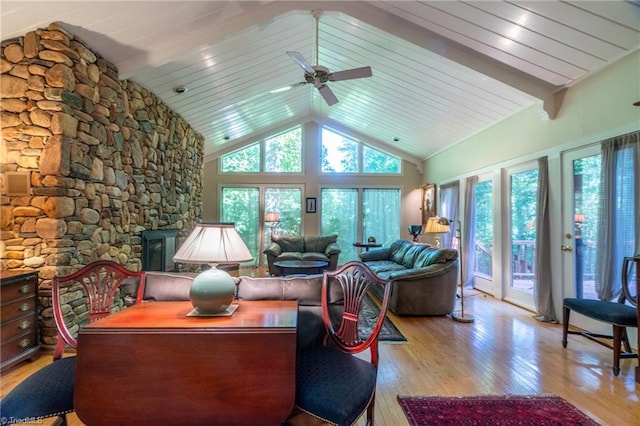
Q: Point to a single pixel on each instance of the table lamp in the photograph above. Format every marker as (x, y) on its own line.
(213, 290)
(437, 226)
(271, 219)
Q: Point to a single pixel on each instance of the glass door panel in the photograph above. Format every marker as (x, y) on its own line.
(580, 217)
(586, 187)
(523, 189)
(242, 206)
(339, 215)
(287, 202)
(484, 235)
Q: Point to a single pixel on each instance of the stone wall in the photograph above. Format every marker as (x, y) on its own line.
(107, 159)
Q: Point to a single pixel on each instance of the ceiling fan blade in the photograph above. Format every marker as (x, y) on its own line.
(289, 87)
(301, 61)
(350, 74)
(328, 95)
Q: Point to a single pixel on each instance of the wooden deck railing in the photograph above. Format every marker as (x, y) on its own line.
(523, 260)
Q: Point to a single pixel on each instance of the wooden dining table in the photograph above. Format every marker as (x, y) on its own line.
(153, 364)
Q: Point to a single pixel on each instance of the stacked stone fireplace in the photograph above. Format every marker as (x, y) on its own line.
(106, 160)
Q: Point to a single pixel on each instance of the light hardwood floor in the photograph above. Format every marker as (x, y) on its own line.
(505, 351)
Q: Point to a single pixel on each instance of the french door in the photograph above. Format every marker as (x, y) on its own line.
(521, 184)
(580, 199)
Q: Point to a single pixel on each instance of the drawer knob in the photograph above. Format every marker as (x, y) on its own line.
(24, 325)
(24, 343)
(25, 307)
(25, 289)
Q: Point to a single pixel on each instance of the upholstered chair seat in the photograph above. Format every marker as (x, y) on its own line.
(339, 398)
(46, 393)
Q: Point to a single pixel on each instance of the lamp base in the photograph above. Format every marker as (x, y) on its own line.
(212, 291)
(462, 318)
(226, 313)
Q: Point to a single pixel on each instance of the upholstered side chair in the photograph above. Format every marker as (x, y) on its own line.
(331, 383)
(620, 315)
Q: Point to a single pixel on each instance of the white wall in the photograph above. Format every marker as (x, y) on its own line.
(594, 109)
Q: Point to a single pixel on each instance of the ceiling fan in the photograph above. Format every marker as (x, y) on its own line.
(319, 75)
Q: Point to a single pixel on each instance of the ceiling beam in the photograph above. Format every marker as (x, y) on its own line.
(242, 15)
(456, 52)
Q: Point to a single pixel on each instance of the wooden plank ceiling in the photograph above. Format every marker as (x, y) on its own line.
(442, 70)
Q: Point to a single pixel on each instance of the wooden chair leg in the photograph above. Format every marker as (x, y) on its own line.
(565, 325)
(618, 333)
(60, 421)
(625, 340)
(371, 410)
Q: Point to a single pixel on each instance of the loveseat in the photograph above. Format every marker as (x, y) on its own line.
(424, 278)
(172, 286)
(286, 247)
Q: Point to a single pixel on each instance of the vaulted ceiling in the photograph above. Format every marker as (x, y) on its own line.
(442, 70)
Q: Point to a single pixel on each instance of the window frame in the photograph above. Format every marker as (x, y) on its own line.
(360, 153)
(262, 142)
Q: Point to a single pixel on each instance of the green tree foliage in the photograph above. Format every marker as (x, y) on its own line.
(586, 177)
(339, 214)
(339, 154)
(283, 153)
(288, 203)
(375, 161)
(240, 205)
(524, 191)
(246, 160)
(484, 214)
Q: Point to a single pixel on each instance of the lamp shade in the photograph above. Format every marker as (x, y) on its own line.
(437, 226)
(213, 290)
(272, 217)
(213, 243)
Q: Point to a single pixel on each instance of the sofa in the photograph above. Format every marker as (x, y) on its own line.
(287, 247)
(423, 278)
(172, 286)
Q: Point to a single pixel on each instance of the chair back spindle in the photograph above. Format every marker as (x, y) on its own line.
(99, 281)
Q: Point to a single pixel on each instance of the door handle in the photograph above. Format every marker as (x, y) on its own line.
(566, 248)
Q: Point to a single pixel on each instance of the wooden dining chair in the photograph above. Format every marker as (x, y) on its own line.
(619, 314)
(331, 383)
(49, 391)
(99, 281)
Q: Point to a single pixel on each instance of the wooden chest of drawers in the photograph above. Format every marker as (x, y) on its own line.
(18, 317)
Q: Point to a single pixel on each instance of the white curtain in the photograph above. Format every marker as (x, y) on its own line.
(619, 227)
(381, 215)
(448, 207)
(339, 215)
(469, 232)
(542, 290)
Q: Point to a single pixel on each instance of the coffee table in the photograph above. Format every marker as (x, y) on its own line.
(291, 267)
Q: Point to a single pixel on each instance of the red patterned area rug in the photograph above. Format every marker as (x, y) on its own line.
(492, 410)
